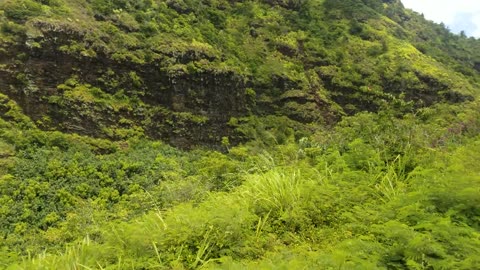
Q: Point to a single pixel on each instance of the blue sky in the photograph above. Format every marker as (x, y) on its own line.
(458, 15)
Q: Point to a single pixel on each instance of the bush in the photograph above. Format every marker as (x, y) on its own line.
(22, 9)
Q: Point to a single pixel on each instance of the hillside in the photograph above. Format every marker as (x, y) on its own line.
(263, 134)
(179, 71)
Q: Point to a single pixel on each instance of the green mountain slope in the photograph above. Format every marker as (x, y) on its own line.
(321, 134)
(181, 70)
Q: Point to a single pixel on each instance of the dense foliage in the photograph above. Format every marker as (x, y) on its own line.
(377, 191)
(181, 70)
(323, 135)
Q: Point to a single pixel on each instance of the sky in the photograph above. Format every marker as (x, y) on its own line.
(458, 15)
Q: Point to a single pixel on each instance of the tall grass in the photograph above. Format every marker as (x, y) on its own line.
(275, 190)
(393, 181)
(76, 257)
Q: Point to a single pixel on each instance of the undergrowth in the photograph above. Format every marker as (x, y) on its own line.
(320, 203)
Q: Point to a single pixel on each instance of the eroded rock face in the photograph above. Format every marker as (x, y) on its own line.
(185, 109)
(91, 92)
(68, 78)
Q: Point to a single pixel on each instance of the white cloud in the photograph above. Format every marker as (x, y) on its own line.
(457, 15)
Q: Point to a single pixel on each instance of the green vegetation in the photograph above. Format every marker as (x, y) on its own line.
(312, 61)
(185, 134)
(377, 191)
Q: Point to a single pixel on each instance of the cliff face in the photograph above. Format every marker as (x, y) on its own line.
(100, 96)
(181, 74)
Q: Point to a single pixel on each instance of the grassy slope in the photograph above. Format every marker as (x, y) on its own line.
(394, 189)
(375, 192)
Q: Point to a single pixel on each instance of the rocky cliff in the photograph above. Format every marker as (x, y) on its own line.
(182, 71)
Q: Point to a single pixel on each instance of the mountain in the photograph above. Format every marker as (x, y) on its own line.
(312, 134)
(180, 71)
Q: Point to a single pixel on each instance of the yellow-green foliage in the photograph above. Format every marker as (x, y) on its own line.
(393, 186)
(376, 192)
